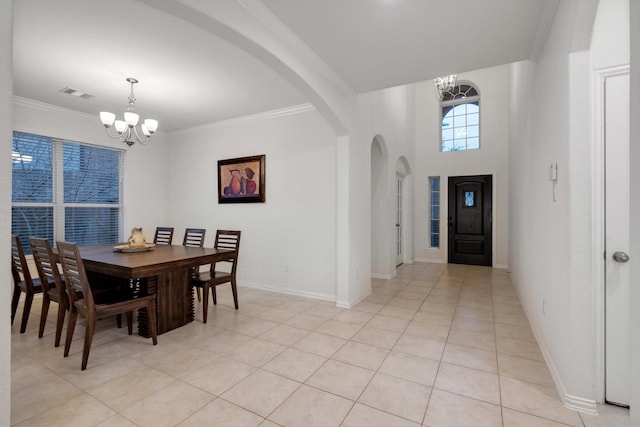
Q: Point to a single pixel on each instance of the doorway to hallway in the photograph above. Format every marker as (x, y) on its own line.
(399, 218)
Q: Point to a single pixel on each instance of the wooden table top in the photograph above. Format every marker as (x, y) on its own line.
(105, 259)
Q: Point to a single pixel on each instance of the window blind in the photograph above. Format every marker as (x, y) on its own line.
(65, 190)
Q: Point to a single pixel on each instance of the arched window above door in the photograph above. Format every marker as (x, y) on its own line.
(460, 119)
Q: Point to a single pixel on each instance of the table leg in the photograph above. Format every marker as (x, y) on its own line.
(175, 306)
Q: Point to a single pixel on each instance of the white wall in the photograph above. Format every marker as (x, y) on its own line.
(288, 243)
(490, 159)
(553, 102)
(387, 116)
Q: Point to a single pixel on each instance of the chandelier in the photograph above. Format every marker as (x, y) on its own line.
(126, 130)
(444, 85)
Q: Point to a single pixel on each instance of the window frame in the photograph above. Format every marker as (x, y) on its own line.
(452, 99)
(57, 203)
(431, 207)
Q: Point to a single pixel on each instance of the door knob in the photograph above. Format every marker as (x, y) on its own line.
(620, 257)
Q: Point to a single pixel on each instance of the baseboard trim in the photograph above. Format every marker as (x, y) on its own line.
(576, 403)
(314, 295)
(433, 261)
(348, 304)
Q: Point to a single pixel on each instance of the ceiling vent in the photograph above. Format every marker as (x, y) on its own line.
(76, 93)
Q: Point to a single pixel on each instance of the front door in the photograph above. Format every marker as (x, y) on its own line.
(617, 224)
(470, 220)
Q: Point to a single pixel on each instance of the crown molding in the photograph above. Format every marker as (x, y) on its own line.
(265, 16)
(31, 103)
(281, 112)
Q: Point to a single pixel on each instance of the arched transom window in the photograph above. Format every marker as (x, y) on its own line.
(460, 119)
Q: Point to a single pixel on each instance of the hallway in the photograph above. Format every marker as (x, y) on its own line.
(438, 345)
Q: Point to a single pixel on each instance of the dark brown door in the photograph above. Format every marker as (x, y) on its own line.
(470, 220)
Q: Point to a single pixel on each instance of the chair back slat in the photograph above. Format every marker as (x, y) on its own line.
(46, 265)
(75, 276)
(163, 236)
(228, 239)
(194, 237)
(19, 266)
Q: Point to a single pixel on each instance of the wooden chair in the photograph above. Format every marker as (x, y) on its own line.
(22, 282)
(163, 236)
(194, 237)
(53, 288)
(225, 239)
(83, 301)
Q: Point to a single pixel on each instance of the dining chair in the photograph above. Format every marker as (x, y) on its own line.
(53, 288)
(93, 306)
(22, 282)
(194, 237)
(225, 239)
(163, 236)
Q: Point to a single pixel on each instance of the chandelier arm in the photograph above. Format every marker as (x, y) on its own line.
(112, 135)
(142, 140)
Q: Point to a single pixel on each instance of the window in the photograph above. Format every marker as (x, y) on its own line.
(460, 119)
(434, 216)
(65, 190)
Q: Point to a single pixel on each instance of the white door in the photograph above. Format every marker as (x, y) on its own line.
(617, 256)
(399, 214)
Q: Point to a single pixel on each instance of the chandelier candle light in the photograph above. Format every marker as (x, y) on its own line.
(444, 84)
(126, 129)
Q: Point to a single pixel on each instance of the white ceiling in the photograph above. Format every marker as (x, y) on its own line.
(189, 76)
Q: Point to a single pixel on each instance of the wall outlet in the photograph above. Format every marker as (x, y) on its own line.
(544, 308)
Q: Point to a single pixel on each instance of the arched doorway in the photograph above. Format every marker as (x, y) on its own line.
(380, 210)
(402, 215)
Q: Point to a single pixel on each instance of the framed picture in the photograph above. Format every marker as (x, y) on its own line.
(241, 180)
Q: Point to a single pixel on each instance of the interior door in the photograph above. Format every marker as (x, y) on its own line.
(617, 260)
(470, 204)
(399, 215)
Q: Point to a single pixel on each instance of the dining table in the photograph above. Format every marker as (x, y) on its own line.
(164, 270)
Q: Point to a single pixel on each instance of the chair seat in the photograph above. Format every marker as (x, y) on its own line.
(37, 286)
(199, 279)
(118, 299)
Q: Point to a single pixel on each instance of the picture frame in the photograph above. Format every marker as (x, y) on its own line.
(242, 180)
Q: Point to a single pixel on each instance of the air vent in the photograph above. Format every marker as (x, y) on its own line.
(76, 93)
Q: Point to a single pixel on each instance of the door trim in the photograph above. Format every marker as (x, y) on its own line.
(488, 220)
(400, 220)
(598, 203)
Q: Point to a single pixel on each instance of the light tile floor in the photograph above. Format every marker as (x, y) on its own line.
(439, 345)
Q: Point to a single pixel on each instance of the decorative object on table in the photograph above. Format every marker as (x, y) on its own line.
(136, 242)
(126, 129)
(242, 180)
